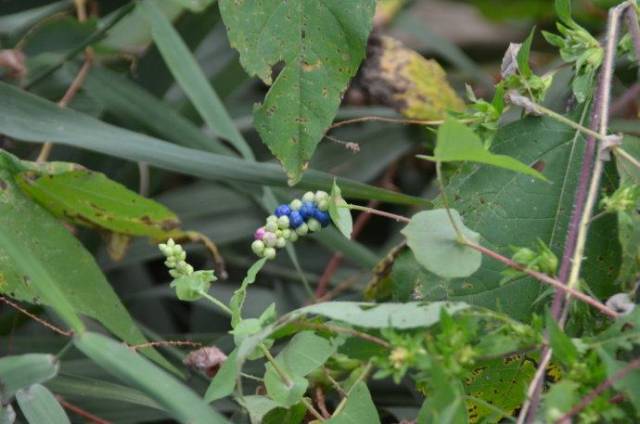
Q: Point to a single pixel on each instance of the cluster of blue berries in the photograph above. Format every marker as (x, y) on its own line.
(288, 222)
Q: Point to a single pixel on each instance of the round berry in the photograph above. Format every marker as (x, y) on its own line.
(283, 210)
(283, 222)
(323, 217)
(260, 232)
(287, 234)
(307, 210)
(272, 218)
(302, 230)
(278, 233)
(271, 226)
(258, 247)
(321, 195)
(295, 219)
(270, 253)
(280, 242)
(295, 204)
(309, 196)
(270, 239)
(293, 237)
(323, 205)
(314, 225)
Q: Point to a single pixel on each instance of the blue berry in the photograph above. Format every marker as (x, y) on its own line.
(283, 210)
(295, 219)
(322, 217)
(307, 210)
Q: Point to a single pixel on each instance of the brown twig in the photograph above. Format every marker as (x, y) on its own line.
(77, 82)
(544, 278)
(322, 404)
(350, 331)
(384, 119)
(81, 412)
(609, 382)
(345, 284)
(36, 318)
(165, 343)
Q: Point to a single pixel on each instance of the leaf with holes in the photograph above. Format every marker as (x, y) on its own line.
(321, 43)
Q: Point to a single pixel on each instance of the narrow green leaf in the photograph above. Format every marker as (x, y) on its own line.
(225, 380)
(19, 372)
(117, 359)
(339, 212)
(71, 128)
(456, 142)
(434, 242)
(563, 348)
(237, 300)
(358, 409)
(563, 10)
(523, 55)
(321, 44)
(191, 78)
(39, 406)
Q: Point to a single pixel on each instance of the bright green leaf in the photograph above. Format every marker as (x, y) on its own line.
(563, 348)
(237, 300)
(358, 409)
(523, 56)
(434, 242)
(445, 403)
(560, 399)
(21, 371)
(457, 143)
(321, 44)
(285, 394)
(225, 380)
(305, 353)
(39, 405)
(339, 212)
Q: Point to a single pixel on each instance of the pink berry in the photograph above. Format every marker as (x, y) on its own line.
(260, 232)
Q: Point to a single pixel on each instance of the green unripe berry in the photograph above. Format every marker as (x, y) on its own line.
(280, 242)
(323, 204)
(278, 233)
(302, 230)
(283, 222)
(293, 237)
(270, 239)
(272, 218)
(314, 225)
(258, 247)
(309, 197)
(271, 226)
(321, 195)
(270, 253)
(295, 204)
(286, 234)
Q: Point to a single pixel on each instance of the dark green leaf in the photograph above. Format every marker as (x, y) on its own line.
(339, 212)
(65, 126)
(321, 45)
(225, 380)
(563, 348)
(358, 409)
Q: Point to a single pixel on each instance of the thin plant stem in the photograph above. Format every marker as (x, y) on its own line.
(544, 278)
(216, 302)
(385, 119)
(445, 202)
(350, 331)
(287, 380)
(561, 303)
(81, 412)
(398, 218)
(344, 400)
(626, 156)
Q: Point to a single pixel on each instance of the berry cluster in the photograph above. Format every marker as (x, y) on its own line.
(288, 222)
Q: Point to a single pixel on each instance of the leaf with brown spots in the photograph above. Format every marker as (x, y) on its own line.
(321, 43)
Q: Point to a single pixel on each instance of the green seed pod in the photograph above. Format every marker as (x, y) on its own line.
(270, 253)
(271, 226)
(302, 230)
(309, 196)
(283, 222)
(270, 239)
(314, 225)
(258, 247)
